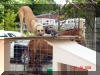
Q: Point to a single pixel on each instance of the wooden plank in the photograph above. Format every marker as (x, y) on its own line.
(1, 56)
(44, 37)
(4, 56)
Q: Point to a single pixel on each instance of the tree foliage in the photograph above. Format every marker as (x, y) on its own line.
(44, 2)
(16, 1)
(1, 16)
(86, 11)
(9, 19)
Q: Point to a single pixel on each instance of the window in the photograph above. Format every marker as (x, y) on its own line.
(68, 21)
(11, 35)
(3, 35)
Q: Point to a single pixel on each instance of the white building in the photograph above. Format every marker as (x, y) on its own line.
(52, 19)
(47, 21)
(71, 23)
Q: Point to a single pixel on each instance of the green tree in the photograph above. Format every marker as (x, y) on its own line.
(86, 11)
(27, 2)
(16, 1)
(9, 20)
(1, 16)
(44, 2)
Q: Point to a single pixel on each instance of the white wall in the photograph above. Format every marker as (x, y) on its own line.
(72, 53)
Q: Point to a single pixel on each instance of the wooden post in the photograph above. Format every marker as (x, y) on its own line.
(82, 28)
(1, 56)
(4, 56)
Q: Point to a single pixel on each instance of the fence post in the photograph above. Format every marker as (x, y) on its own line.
(4, 56)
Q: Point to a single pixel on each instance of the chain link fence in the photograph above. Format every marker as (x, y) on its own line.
(30, 55)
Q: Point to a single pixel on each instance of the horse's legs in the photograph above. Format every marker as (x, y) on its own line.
(21, 16)
(37, 62)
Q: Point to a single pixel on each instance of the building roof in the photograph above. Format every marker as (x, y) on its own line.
(50, 16)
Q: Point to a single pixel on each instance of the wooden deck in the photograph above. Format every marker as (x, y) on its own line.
(44, 37)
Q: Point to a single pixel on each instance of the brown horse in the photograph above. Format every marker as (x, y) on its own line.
(32, 23)
(39, 47)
